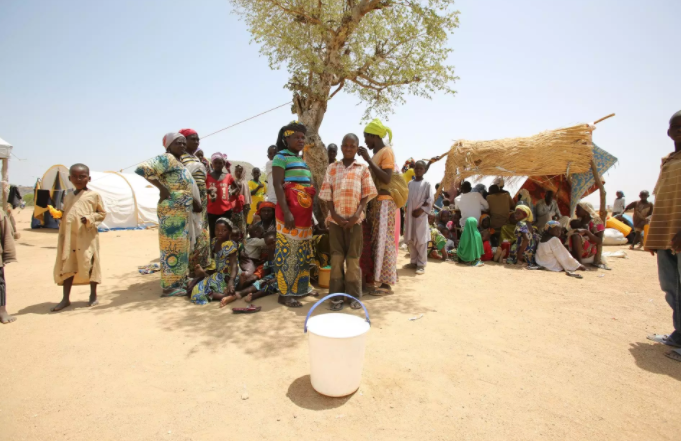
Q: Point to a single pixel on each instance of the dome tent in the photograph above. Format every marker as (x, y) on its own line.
(129, 200)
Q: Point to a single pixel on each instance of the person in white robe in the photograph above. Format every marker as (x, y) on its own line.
(552, 254)
(416, 228)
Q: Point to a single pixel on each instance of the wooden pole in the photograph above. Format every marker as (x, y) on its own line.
(604, 118)
(601, 188)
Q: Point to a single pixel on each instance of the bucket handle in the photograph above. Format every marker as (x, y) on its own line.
(366, 313)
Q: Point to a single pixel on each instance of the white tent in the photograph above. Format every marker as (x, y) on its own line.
(129, 200)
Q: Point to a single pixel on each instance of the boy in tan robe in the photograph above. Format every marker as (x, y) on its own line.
(78, 244)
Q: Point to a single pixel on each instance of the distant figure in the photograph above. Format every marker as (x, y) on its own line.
(547, 209)
(241, 208)
(499, 182)
(257, 189)
(618, 206)
(642, 210)
(664, 235)
(500, 207)
(470, 204)
(78, 243)
(271, 194)
(7, 255)
(332, 152)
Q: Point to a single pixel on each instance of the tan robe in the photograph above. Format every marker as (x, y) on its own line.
(78, 244)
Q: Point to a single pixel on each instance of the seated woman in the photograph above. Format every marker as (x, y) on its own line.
(224, 282)
(486, 232)
(552, 254)
(586, 237)
(470, 246)
(438, 238)
(266, 285)
(526, 238)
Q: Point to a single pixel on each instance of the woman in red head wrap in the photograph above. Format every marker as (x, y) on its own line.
(200, 251)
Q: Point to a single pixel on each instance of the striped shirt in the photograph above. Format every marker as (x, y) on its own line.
(295, 169)
(666, 221)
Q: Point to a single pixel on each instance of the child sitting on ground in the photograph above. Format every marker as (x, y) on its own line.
(78, 242)
(251, 255)
(267, 284)
(486, 232)
(225, 281)
(437, 240)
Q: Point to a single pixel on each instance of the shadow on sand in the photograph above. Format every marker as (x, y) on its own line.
(301, 393)
(273, 331)
(650, 357)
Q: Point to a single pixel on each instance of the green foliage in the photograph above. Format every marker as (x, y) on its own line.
(28, 198)
(377, 50)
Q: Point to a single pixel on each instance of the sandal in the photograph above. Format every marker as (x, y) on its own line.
(290, 302)
(336, 305)
(250, 310)
(664, 339)
(354, 304)
(379, 292)
(674, 355)
(601, 266)
(573, 274)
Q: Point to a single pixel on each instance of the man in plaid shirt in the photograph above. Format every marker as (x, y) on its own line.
(347, 188)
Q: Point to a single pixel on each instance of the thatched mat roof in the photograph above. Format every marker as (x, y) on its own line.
(554, 152)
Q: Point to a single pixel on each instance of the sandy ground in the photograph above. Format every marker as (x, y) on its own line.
(500, 353)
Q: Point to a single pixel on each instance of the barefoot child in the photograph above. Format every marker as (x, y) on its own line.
(417, 232)
(346, 190)
(265, 286)
(224, 281)
(7, 255)
(78, 243)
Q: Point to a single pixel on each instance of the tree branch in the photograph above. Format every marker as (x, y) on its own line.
(340, 86)
(300, 13)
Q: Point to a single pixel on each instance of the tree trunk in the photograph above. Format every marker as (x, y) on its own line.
(311, 113)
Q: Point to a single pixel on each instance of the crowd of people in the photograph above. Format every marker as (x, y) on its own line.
(224, 238)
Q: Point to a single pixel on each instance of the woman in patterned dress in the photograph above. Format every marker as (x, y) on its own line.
(222, 284)
(199, 253)
(293, 186)
(526, 238)
(178, 195)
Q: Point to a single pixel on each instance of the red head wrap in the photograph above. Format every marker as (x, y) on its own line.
(265, 204)
(187, 132)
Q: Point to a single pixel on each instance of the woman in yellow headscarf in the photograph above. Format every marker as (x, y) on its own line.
(382, 211)
(526, 237)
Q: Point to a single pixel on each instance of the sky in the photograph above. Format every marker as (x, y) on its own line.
(102, 82)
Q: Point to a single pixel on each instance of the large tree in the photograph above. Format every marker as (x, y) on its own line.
(377, 50)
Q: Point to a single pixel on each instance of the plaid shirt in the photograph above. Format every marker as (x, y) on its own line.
(346, 187)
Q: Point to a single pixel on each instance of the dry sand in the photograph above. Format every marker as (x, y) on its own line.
(501, 353)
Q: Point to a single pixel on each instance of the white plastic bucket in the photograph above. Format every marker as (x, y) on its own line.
(337, 342)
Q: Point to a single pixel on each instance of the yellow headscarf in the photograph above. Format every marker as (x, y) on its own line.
(376, 127)
(527, 211)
